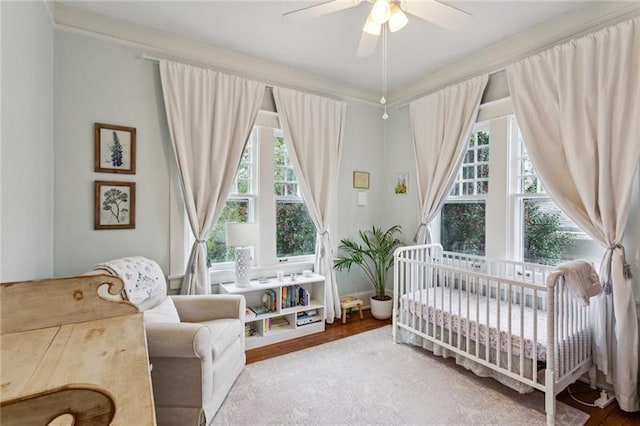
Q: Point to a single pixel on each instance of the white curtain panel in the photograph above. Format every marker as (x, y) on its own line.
(210, 117)
(441, 124)
(578, 107)
(313, 127)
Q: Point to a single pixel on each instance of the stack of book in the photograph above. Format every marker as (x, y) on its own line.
(276, 322)
(259, 310)
(271, 300)
(304, 297)
(290, 296)
(249, 330)
(308, 317)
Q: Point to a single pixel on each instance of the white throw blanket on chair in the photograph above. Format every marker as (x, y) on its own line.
(142, 277)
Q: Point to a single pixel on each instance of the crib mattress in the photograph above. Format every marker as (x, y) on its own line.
(451, 313)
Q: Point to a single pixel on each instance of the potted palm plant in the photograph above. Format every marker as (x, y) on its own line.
(374, 255)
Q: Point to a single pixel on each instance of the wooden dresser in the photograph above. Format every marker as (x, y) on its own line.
(66, 350)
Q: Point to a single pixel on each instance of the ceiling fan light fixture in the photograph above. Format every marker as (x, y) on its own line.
(398, 19)
(380, 12)
(371, 27)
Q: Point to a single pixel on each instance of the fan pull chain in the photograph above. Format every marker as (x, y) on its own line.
(383, 99)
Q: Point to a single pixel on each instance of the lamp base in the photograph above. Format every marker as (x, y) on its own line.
(243, 265)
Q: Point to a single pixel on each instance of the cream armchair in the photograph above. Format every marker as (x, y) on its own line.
(196, 343)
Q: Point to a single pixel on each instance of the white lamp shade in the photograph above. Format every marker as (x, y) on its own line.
(371, 27)
(242, 234)
(380, 11)
(398, 19)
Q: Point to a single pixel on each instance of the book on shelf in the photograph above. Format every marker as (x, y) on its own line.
(276, 322)
(307, 313)
(308, 319)
(259, 310)
(248, 313)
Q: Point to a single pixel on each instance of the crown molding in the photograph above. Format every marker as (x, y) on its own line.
(497, 56)
(490, 60)
(72, 19)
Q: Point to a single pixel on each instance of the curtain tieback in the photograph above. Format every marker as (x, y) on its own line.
(200, 241)
(322, 235)
(626, 268)
(422, 225)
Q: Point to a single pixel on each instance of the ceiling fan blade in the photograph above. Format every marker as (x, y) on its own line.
(367, 46)
(320, 9)
(443, 15)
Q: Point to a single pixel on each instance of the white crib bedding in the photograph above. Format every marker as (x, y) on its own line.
(440, 308)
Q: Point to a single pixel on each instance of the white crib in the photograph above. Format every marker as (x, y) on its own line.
(500, 314)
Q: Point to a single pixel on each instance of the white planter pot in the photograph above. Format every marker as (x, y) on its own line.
(381, 309)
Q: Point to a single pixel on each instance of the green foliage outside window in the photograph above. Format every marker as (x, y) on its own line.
(544, 242)
(296, 234)
(463, 228)
(217, 250)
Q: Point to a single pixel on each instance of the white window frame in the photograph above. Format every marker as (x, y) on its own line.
(262, 211)
(518, 196)
(461, 180)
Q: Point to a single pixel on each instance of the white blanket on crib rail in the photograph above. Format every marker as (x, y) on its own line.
(451, 313)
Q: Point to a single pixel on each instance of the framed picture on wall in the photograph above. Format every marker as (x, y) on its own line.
(361, 180)
(115, 205)
(401, 186)
(115, 149)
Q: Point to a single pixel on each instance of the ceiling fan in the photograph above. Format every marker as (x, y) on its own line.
(389, 12)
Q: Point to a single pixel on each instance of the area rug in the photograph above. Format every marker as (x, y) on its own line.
(366, 379)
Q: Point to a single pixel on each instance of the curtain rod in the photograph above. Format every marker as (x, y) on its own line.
(408, 99)
(208, 66)
(336, 97)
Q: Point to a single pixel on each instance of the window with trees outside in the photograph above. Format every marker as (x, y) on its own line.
(517, 219)
(462, 223)
(266, 190)
(545, 235)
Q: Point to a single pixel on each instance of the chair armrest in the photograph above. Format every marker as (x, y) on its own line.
(209, 307)
(178, 340)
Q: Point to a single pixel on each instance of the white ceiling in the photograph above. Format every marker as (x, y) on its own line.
(327, 45)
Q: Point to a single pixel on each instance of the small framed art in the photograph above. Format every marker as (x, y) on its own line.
(115, 205)
(115, 149)
(361, 180)
(402, 184)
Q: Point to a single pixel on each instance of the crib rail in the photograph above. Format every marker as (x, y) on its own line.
(512, 317)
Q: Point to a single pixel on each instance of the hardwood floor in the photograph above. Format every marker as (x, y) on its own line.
(611, 415)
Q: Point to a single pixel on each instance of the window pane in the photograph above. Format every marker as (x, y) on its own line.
(462, 227)
(295, 232)
(473, 176)
(547, 232)
(234, 211)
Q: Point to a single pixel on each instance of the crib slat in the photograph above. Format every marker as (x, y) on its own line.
(534, 349)
(509, 301)
(522, 338)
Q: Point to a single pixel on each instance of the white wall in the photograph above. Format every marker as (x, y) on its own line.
(26, 215)
(362, 151)
(101, 81)
(399, 157)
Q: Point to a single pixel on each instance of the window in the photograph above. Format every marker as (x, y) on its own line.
(239, 206)
(295, 231)
(544, 234)
(463, 223)
(265, 190)
(498, 206)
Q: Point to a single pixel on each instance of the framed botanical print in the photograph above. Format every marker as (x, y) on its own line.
(115, 205)
(115, 149)
(361, 180)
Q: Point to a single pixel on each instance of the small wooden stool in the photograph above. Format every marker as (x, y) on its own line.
(348, 303)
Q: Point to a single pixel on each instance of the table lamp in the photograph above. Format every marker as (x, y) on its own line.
(242, 236)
